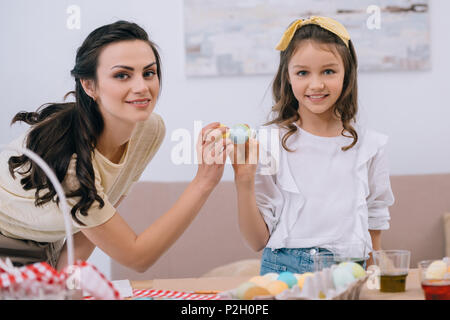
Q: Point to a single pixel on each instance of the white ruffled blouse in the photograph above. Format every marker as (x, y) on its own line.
(302, 212)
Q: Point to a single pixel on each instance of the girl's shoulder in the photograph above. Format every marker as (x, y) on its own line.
(370, 143)
(370, 138)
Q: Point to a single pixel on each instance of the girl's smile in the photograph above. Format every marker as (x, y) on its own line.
(316, 98)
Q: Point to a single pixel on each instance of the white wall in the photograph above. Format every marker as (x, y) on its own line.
(38, 52)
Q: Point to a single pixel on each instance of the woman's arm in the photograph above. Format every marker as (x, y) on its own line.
(83, 248)
(139, 252)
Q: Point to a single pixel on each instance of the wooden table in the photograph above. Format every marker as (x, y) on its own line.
(209, 285)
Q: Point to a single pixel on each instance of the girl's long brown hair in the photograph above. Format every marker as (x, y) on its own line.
(286, 106)
(59, 130)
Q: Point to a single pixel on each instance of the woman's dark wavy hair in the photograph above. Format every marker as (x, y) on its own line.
(59, 130)
(286, 106)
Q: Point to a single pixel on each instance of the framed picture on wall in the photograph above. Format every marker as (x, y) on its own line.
(237, 37)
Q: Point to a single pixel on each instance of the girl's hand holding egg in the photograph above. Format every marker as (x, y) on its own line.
(245, 154)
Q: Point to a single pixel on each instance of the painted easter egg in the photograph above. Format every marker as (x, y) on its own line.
(254, 292)
(239, 133)
(436, 270)
(342, 277)
(287, 277)
(354, 268)
(260, 281)
(227, 133)
(240, 291)
(276, 286)
(271, 276)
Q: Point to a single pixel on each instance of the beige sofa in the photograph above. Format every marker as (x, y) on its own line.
(213, 239)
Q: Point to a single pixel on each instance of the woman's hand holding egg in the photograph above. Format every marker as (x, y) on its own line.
(212, 150)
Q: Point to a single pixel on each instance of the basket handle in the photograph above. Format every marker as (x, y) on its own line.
(60, 192)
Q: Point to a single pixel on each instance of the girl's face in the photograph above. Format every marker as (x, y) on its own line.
(316, 74)
(127, 83)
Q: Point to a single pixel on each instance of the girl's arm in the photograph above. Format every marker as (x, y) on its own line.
(139, 252)
(251, 222)
(376, 244)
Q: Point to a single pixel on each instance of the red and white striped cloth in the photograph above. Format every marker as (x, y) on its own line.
(168, 294)
(81, 275)
(41, 272)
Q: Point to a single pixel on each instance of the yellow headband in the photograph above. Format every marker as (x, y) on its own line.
(326, 23)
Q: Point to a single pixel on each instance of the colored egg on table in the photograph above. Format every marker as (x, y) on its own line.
(436, 270)
(271, 276)
(254, 292)
(260, 281)
(239, 133)
(276, 286)
(288, 278)
(354, 268)
(240, 291)
(342, 277)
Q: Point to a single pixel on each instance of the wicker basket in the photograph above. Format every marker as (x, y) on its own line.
(30, 288)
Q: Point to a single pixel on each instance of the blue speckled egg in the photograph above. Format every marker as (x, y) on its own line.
(288, 278)
(239, 133)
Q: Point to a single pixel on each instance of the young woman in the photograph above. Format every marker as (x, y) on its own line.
(98, 147)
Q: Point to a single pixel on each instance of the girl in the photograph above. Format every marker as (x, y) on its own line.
(331, 189)
(98, 147)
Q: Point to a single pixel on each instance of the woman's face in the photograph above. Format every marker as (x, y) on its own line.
(316, 74)
(127, 83)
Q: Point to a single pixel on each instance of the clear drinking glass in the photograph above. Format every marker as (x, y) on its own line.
(324, 260)
(394, 267)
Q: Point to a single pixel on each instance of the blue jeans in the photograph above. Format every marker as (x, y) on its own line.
(299, 260)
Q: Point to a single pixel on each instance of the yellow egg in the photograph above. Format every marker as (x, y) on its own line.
(276, 286)
(227, 133)
(301, 279)
(322, 295)
(254, 292)
(260, 281)
(242, 289)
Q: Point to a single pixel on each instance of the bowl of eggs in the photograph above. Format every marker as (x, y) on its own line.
(339, 282)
